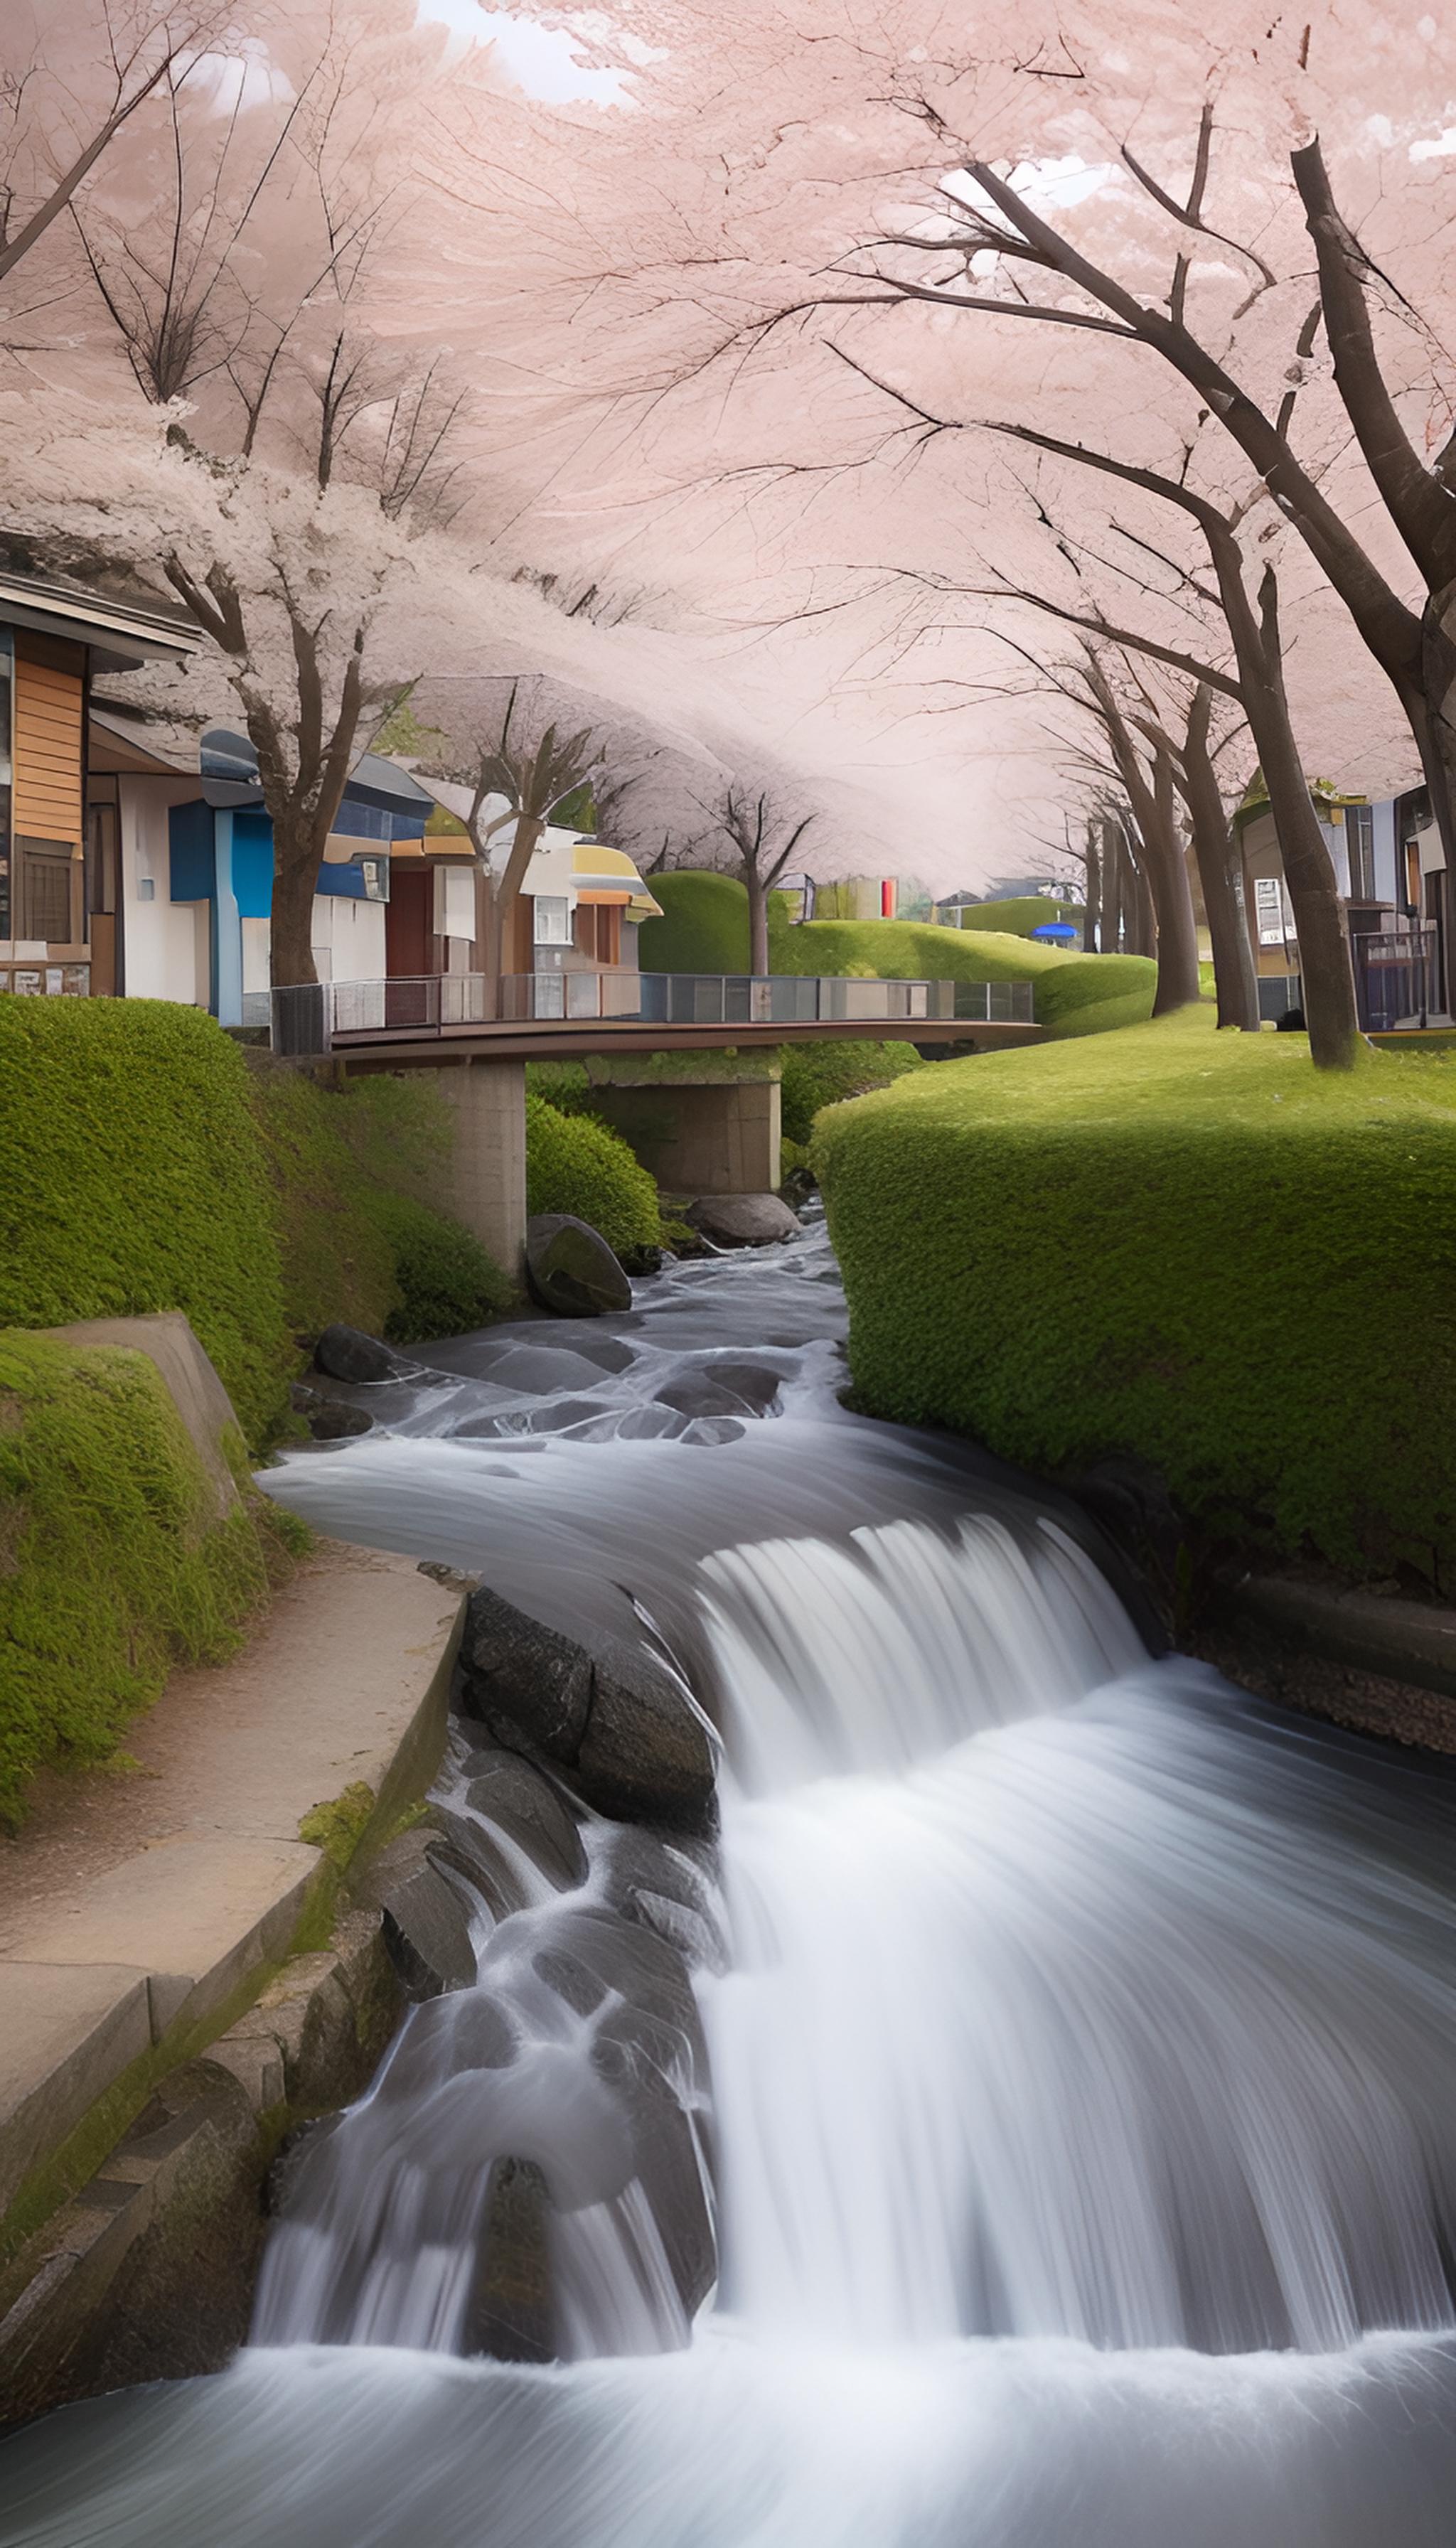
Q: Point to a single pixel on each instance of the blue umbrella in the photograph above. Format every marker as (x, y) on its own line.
(1057, 931)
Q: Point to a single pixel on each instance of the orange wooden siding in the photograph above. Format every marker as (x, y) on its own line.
(47, 754)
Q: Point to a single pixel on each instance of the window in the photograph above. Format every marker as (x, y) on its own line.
(1269, 911)
(1360, 844)
(45, 898)
(553, 920)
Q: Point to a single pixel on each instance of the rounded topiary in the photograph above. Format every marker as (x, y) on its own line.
(703, 928)
(576, 1166)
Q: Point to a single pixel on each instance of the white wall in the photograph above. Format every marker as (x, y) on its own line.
(165, 944)
(347, 938)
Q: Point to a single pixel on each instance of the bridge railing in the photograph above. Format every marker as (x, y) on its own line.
(313, 1017)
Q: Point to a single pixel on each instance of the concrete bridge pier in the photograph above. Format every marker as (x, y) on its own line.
(485, 1183)
(706, 1129)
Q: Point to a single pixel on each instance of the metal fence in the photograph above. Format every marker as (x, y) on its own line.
(311, 1017)
(1395, 977)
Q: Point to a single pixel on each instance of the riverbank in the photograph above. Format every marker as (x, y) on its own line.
(168, 1934)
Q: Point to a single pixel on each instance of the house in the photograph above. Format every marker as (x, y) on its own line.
(59, 867)
(398, 902)
(1389, 871)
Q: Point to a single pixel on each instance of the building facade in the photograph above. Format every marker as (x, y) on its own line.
(59, 871)
(1391, 874)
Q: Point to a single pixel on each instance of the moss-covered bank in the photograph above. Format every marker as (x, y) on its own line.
(112, 1562)
(1180, 1245)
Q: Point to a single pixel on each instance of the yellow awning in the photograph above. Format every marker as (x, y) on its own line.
(609, 875)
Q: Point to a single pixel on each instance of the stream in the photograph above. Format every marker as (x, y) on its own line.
(1069, 2076)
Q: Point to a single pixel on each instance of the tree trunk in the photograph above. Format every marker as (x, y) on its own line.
(502, 898)
(1112, 870)
(1146, 917)
(1325, 972)
(295, 882)
(1092, 919)
(1164, 865)
(1220, 874)
(758, 922)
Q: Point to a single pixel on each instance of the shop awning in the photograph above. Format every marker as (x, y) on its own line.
(604, 875)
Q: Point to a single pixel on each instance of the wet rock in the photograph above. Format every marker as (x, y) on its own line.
(510, 2316)
(514, 1668)
(742, 1221)
(670, 1888)
(755, 1383)
(645, 1754)
(648, 2050)
(613, 1716)
(527, 1809)
(697, 1395)
(426, 1933)
(527, 1819)
(337, 1424)
(570, 1269)
(346, 1353)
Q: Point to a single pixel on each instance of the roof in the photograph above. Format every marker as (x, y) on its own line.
(609, 876)
(121, 634)
(114, 748)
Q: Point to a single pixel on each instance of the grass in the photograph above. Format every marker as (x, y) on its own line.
(113, 1563)
(1179, 1245)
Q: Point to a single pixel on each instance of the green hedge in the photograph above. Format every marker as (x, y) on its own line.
(150, 1164)
(1020, 914)
(134, 1180)
(703, 928)
(907, 951)
(112, 1563)
(575, 1164)
(1088, 994)
(821, 1074)
(1186, 1246)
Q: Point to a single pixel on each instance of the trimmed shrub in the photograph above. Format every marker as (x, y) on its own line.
(703, 928)
(444, 1282)
(908, 951)
(113, 1565)
(1088, 994)
(566, 1085)
(1176, 1245)
(820, 1074)
(134, 1180)
(1020, 914)
(575, 1164)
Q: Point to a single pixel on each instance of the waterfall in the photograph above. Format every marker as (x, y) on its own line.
(1080, 2078)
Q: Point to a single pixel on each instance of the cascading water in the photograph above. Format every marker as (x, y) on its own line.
(1082, 2061)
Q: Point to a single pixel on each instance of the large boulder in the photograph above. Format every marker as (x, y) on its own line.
(742, 1221)
(570, 1269)
(346, 1353)
(633, 1741)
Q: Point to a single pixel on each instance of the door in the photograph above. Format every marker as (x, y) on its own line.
(408, 944)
